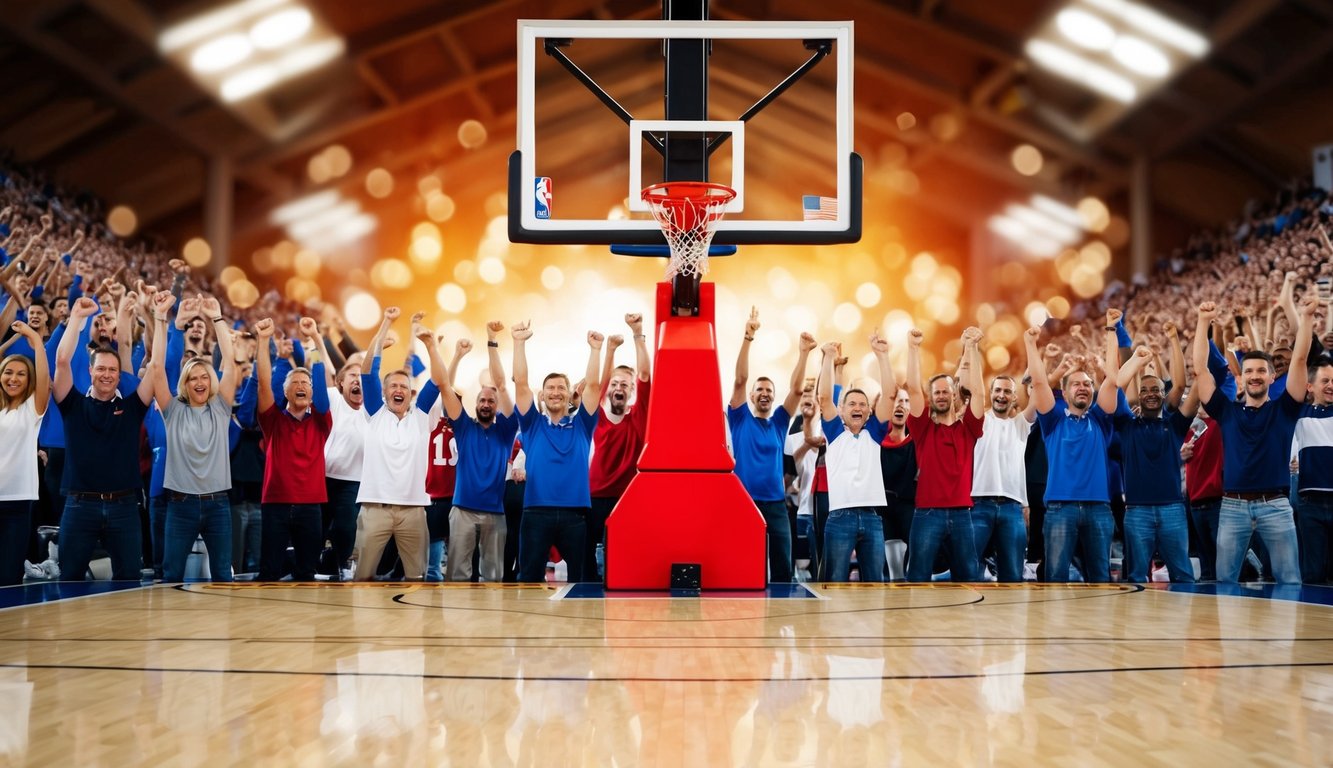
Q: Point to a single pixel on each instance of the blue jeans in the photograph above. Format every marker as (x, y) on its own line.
(300, 524)
(15, 528)
(858, 528)
(1000, 519)
(1204, 514)
(779, 540)
(1083, 525)
(544, 527)
(188, 517)
(1160, 527)
(113, 523)
(931, 526)
(1315, 523)
(1272, 518)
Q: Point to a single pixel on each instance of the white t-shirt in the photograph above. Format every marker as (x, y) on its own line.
(342, 451)
(19, 479)
(997, 462)
(393, 465)
(805, 470)
(855, 477)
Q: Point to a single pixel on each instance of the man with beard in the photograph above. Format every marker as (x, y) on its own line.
(1256, 447)
(557, 443)
(393, 495)
(1076, 438)
(484, 442)
(294, 470)
(618, 439)
(1155, 515)
(1314, 436)
(856, 485)
(945, 443)
(102, 478)
(999, 478)
(757, 438)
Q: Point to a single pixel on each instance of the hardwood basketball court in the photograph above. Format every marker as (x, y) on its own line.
(393, 674)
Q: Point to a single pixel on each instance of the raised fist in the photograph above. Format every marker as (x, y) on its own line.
(179, 266)
(830, 348)
(915, 337)
(1113, 316)
(971, 335)
(808, 342)
(1170, 328)
(1032, 334)
(309, 328)
(493, 328)
(418, 317)
(263, 329)
(878, 344)
(1143, 353)
(615, 341)
(462, 347)
(26, 331)
(84, 307)
(521, 331)
(595, 339)
(163, 301)
(1208, 311)
(391, 313)
(210, 306)
(635, 322)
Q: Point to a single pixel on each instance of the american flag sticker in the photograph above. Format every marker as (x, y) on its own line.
(817, 208)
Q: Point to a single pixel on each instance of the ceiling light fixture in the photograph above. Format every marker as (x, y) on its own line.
(1065, 63)
(1140, 56)
(1085, 29)
(281, 28)
(1154, 24)
(220, 53)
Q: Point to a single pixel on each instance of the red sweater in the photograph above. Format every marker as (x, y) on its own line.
(294, 469)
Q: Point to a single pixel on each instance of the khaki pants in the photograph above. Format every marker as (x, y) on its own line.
(464, 528)
(407, 526)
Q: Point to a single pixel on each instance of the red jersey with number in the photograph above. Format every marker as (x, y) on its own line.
(443, 462)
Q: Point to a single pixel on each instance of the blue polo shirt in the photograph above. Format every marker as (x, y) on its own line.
(1076, 454)
(757, 445)
(483, 455)
(1150, 450)
(1314, 435)
(557, 458)
(1256, 442)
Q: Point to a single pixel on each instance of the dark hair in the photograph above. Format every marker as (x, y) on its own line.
(1255, 354)
(1323, 361)
(852, 391)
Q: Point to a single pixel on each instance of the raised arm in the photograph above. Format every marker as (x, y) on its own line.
(613, 343)
(806, 345)
(1287, 303)
(162, 303)
(79, 312)
(42, 386)
(1203, 378)
(377, 343)
(1043, 399)
(642, 359)
(974, 380)
(915, 397)
(592, 384)
(743, 361)
(439, 372)
(461, 349)
(264, 364)
(1298, 373)
(1107, 391)
(1178, 374)
(828, 410)
(504, 403)
(230, 378)
(520, 333)
(888, 386)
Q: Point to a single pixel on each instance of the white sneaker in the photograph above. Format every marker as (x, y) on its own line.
(52, 570)
(33, 571)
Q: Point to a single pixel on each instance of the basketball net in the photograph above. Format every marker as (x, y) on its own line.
(689, 212)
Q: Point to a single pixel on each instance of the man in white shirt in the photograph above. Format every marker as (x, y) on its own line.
(855, 482)
(393, 470)
(999, 477)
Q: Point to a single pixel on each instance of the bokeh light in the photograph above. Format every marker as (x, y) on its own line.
(122, 221)
(471, 134)
(868, 295)
(242, 294)
(379, 183)
(451, 298)
(362, 310)
(197, 252)
(1026, 159)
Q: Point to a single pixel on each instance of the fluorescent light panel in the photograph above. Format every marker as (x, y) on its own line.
(1065, 63)
(1154, 24)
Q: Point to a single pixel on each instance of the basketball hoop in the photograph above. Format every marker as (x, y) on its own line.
(689, 212)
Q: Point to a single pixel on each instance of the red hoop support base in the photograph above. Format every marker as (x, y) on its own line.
(686, 504)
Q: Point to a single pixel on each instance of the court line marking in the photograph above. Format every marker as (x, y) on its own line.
(621, 680)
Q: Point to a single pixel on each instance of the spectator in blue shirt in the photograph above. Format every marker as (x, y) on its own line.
(1256, 447)
(1314, 436)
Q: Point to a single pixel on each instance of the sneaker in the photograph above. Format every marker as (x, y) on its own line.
(52, 570)
(33, 571)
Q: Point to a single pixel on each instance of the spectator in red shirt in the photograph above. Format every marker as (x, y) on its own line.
(945, 443)
(618, 439)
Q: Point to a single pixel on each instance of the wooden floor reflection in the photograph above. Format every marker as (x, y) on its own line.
(882, 675)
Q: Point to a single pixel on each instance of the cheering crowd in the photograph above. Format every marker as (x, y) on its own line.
(139, 413)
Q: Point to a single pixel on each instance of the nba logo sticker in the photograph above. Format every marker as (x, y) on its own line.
(541, 197)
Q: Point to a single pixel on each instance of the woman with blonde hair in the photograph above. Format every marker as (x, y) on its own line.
(25, 391)
(197, 479)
